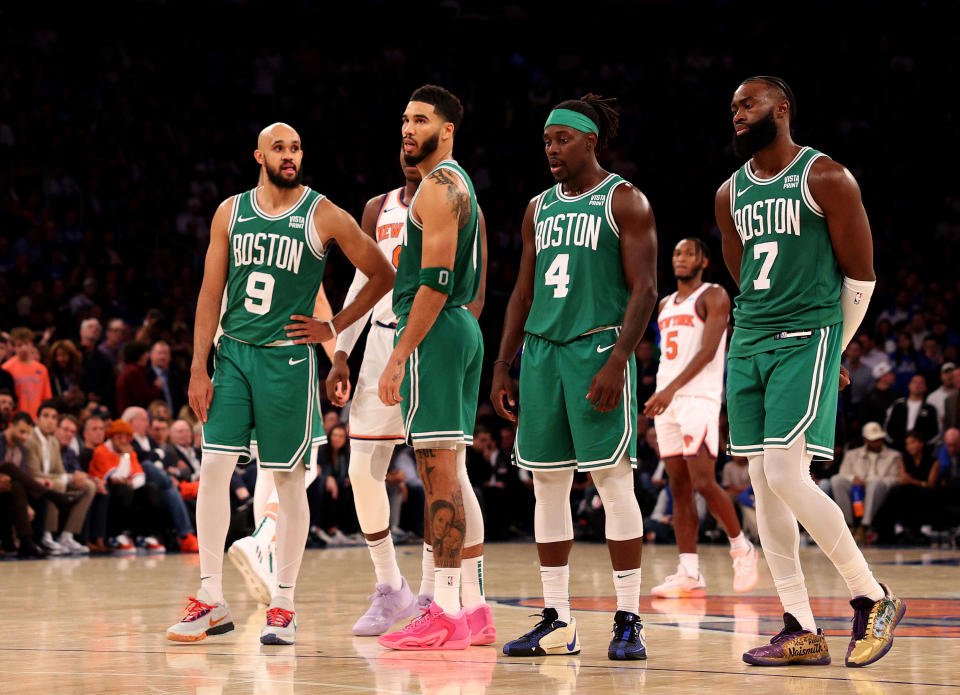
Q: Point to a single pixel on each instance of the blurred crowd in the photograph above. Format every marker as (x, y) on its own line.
(115, 152)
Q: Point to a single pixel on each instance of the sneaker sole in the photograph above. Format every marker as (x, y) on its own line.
(486, 636)
(692, 593)
(754, 661)
(540, 651)
(271, 638)
(447, 645)
(627, 656)
(256, 587)
(211, 632)
(747, 589)
(903, 610)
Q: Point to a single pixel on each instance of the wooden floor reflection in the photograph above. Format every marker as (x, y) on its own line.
(96, 626)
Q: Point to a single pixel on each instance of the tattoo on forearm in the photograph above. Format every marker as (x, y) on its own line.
(447, 529)
(457, 199)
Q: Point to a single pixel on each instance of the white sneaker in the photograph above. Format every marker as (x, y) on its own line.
(256, 564)
(281, 627)
(202, 617)
(679, 585)
(745, 569)
(338, 537)
(51, 546)
(67, 540)
(152, 545)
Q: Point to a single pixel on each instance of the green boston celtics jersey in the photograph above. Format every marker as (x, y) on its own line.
(467, 265)
(579, 283)
(276, 267)
(789, 276)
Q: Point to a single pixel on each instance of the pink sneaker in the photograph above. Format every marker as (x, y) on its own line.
(745, 571)
(480, 620)
(679, 585)
(434, 629)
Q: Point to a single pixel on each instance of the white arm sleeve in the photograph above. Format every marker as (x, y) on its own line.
(348, 337)
(854, 300)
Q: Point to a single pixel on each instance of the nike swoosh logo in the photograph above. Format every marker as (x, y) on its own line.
(390, 209)
(214, 623)
(245, 219)
(573, 642)
(621, 576)
(600, 349)
(293, 362)
(740, 193)
(549, 204)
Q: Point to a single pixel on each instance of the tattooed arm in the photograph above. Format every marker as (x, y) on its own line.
(442, 206)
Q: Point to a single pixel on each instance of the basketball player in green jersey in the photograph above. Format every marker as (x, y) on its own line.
(434, 369)
(584, 294)
(797, 241)
(268, 248)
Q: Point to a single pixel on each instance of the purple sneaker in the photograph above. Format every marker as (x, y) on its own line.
(387, 607)
(792, 646)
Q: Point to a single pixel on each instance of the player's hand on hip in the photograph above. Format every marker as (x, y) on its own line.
(307, 329)
(606, 389)
(338, 382)
(390, 380)
(844, 378)
(200, 394)
(503, 392)
(658, 402)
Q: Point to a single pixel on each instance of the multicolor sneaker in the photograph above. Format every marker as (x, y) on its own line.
(549, 636)
(122, 545)
(256, 566)
(386, 607)
(628, 640)
(745, 569)
(791, 646)
(281, 627)
(480, 620)
(873, 626)
(680, 585)
(201, 618)
(432, 629)
(152, 545)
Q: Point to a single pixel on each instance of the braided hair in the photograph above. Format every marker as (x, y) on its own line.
(599, 110)
(780, 85)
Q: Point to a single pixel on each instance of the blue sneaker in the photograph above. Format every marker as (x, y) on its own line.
(549, 636)
(628, 640)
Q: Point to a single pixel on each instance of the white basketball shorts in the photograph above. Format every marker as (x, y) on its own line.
(688, 423)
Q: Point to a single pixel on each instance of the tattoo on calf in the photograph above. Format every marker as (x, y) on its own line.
(447, 529)
(425, 468)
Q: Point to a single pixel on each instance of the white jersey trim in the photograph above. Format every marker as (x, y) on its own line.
(773, 179)
(261, 213)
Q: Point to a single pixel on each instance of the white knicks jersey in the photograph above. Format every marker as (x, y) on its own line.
(391, 231)
(681, 334)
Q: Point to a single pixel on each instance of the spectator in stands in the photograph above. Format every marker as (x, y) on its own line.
(159, 410)
(938, 399)
(871, 354)
(184, 456)
(861, 376)
(331, 419)
(174, 395)
(160, 431)
(6, 378)
(909, 504)
(886, 338)
(951, 411)
(875, 468)
(8, 403)
(97, 379)
(947, 504)
(912, 414)
(876, 404)
(93, 434)
(43, 461)
(113, 342)
(479, 452)
(904, 361)
(65, 373)
(335, 514)
(155, 461)
(930, 360)
(134, 385)
(899, 312)
(30, 379)
(917, 330)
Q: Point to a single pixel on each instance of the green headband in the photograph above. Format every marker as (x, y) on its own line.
(573, 119)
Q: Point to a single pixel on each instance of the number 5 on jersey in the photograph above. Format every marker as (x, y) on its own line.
(557, 276)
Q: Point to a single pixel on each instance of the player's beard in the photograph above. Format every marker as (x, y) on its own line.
(758, 136)
(279, 181)
(428, 147)
(687, 278)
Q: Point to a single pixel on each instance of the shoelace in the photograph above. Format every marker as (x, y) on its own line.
(620, 630)
(860, 623)
(738, 562)
(540, 628)
(424, 616)
(278, 617)
(195, 609)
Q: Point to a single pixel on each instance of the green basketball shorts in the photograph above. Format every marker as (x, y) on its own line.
(441, 380)
(557, 426)
(272, 389)
(775, 397)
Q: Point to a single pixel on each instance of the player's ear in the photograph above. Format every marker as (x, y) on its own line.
(258, 155)
(591, 139)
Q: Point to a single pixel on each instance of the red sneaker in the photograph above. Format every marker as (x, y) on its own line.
(189, 544)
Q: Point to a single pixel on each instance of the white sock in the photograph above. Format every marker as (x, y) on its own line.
(556, 590)
(627, 585)
(739, 543)
(426, 571)
(447, 589)
(793, 595)
(690, 562)
(471, 582)
(213, 518)
(66, 536)
(860, 581)
(385, 562)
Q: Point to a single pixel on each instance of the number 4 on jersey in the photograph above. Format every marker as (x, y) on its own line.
(557, 276)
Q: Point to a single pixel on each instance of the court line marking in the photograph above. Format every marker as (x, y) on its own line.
(748, 673)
